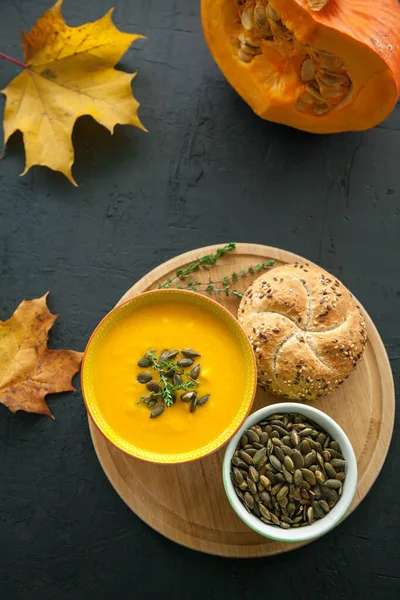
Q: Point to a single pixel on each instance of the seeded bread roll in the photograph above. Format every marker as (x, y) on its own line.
(306, 330)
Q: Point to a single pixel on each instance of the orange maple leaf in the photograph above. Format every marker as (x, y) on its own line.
(28, 369)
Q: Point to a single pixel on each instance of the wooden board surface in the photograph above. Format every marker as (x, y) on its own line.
(187, 503)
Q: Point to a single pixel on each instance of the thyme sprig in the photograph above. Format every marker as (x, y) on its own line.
(223, 286)
(168, 388)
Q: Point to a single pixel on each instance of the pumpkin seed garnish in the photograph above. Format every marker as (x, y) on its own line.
(188, 396)
(190, 353)
(185, 362)
(153, 386)
(195, 372)
(288, 478)
(157, 412)
(163, 356)
(144, 377)
(144, 363)
(201, 401)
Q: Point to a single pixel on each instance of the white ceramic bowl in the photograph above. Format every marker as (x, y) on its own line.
(321, 526)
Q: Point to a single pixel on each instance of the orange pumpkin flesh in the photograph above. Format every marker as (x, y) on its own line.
(335, 69)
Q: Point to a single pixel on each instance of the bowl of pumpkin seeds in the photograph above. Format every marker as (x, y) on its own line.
(290, 472)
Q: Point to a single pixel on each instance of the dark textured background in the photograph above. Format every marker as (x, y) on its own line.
(208, 171)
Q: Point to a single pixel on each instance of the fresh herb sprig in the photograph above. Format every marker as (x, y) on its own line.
(168, 388)
(224, 286)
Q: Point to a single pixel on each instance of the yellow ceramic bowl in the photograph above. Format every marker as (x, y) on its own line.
(168, 319)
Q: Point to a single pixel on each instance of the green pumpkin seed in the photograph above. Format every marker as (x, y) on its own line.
(264, 438)
(246, 457)
(338, 463)
(327, 456)
(153, 386)
(279, 453)
(188, 396)
(287, 475)
(202, 401)
(266, 482)
(270, 447)
(193, 404)
(335, 484)
(259, 455)
(254, 474)
(195, 372)
(177, 379)
(295, 493)
(163, 356)
(257, 429)
(275, 489)
(265, 512)
(144, 363)
(329, 493)
(252, 486)
(189, 353)
(276, 441)
(298, 459)
(330, 470)
(275, 519)
(305, 447)
(275, 462)
(283, 492)
(144, 377)
(319, 476)
(310, 458)
(157, 412)
(252, 436)
(324, 505)
(151, 403)
(295, 438)
(289, 464)
(238, 477)
(287, 450)
(335, 454)
(185, 362)
(335, 446)
(298, 478)
(249, 500)
(251, 451)
(261, 464)
(308, 476)
(265, 496)
(318, 512)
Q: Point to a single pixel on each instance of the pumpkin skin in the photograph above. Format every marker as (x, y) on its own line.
(353, 47)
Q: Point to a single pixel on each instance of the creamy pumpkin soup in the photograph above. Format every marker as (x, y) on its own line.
(169, 324)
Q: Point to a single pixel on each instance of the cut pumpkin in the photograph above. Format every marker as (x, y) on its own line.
(322, 66)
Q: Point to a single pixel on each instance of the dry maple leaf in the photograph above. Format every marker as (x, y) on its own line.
(68, 73)
(28, 369)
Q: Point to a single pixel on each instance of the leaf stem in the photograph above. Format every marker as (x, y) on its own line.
(13, 60)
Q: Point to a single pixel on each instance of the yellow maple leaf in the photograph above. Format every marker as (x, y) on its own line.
(69, 73)
(28, 369)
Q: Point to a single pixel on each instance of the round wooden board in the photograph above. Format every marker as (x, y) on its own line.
(187, 503)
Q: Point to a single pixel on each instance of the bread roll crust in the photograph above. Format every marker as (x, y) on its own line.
(306, 330)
